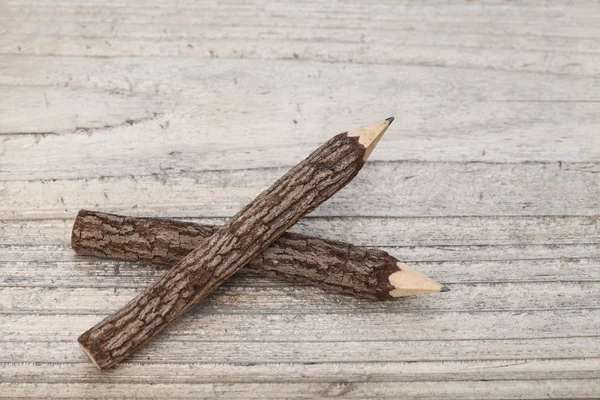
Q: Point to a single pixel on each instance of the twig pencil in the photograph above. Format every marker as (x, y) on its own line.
(329, 264)
(328, 169)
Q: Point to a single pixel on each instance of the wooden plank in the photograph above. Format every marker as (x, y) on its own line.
(350, 326)
(578, 64)
(387, 189)
(380, 17)
(175, 352)
(508, 389)
(394, 371)
(145, 372)
(22, 25)
(449, 117)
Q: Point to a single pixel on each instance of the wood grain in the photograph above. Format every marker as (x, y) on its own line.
(498, 106)
(451, 117)
(507, 389)
(392, 189)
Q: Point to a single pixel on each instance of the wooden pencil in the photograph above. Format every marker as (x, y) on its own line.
(328, 169)
(329, 264)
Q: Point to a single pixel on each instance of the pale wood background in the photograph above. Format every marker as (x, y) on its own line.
(488, 181)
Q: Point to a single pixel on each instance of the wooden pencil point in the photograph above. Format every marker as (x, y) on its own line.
(408, 282)
(370, 135)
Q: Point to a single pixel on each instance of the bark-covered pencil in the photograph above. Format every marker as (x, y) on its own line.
(328, 169)
(329, 264)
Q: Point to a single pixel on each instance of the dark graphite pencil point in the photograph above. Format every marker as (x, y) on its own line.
(445, 289)
(390, 119)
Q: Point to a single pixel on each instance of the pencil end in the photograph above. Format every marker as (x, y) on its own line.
(87, 351)
(407, 282)
(369, 135)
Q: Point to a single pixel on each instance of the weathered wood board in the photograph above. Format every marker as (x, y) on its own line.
(488, 181)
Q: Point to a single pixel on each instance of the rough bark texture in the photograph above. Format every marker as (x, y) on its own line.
(243, 237)
(332, 265)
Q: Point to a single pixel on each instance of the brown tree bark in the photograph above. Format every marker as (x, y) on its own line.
(329, 264)
(243, 237)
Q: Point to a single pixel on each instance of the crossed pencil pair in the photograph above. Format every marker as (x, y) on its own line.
(204, 256)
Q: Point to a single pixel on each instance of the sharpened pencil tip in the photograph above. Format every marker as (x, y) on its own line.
(445, 289)
(369, 135)
(390, 119)
(407, 282)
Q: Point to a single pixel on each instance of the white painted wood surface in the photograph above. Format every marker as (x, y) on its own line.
(488, 181)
